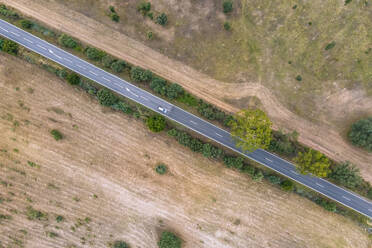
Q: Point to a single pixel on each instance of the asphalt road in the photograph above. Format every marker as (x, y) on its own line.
(175, 113)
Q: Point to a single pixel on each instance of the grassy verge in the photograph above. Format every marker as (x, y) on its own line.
(285, 145)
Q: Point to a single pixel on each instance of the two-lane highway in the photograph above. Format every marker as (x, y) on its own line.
(177, 114)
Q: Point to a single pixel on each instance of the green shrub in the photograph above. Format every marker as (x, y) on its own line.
(112, 9)
(169, 240)
(173, 132)
(115, 17)
(94, 53)
(57, 135)
(33, 214)
(73, 78)
(227, 26)
(282, 143)
(118, 66)
(26, 23)
(196, 145)
(347, 175)
(327, 205)
(233, 162)
(150, 35)
(144, 7)
(174, 91)
(162, 19)
(227, 6)
(361, 134)
(10, 47)
(107, 61)
(348, 1)
(106, 97)
(140, 75)
(274, 179)
(287, 185)
(188, 99)
(7, 12)
(67, 41)
(120, 244)
(258, 176)
(159, 85)
(299, 78)
(156, 123)
(161, 169)
(330, 45)
(60, 218)
(122, 106)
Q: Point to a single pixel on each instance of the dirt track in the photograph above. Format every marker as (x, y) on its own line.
(112, 156)
(318, 136)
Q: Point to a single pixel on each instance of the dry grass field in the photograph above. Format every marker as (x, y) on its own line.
(100, 177)
(250, 61)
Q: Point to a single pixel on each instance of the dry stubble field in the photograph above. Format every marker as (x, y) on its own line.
(320, 108)
(101, 179)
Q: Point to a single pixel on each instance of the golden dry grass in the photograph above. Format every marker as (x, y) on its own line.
(113, 157)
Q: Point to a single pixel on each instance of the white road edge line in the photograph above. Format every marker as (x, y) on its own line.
(41, 47)
(93, 73)
(28, 40)
(346, 198)
(4, 29)
(268, 159)
(319, 185)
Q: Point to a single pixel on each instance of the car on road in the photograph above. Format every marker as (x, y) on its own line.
(164, 110)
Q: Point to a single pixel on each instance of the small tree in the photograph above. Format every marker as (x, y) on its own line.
(140, 75)
(159, 86)
(26, 24)
(107, 61)
(287, 185)
(67, 41)
(361, 133)
(174, 91)
(227, 6)
(169, 240)
(10, 47)
(94, 54)
(227, 26)
(106, 97)
(144, 7)
(156, 123)
(251, 129)
(162, 19)
(115, 17)
(57, 135)
(258, 176)
(118, 66)
(73, 78)
(312, 162)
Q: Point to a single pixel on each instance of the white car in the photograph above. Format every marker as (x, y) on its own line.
(164, 110)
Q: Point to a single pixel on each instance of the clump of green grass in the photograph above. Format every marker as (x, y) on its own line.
(33, 214)
(161, 169)
(57, 135)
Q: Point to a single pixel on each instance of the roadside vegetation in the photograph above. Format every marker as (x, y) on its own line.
(285, 145)
(361, 134)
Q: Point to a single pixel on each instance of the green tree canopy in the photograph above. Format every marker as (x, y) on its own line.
(227, 6)
(106, 97)
(67, 41)
(10, 47)
(156, 123)
(140, 75)
(312, 162)
(162, 19)
(94, 53)
(251, 129)
(169, 240)
(361, 133)
(73, 78)
(347, 174)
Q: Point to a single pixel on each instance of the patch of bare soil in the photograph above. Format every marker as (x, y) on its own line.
(322, 136)
(100, 177)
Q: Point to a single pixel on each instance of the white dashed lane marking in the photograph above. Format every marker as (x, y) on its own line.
(108, 80)
(144, 98)
(15, 34)
(41, 47)
(82, 67)
(4, 29)
(68, 60)
(319, 185)
(219, 134)
(346, 198)
(28, 40)
(193, 122)
(268, 159)
(93, 73)
(294, 172)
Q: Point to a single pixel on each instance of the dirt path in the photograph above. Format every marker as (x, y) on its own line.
(317, 136)
(112, 156)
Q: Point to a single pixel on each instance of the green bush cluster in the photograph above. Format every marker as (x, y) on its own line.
(140, 75)
(327, 205)
(227, 6)
(67, 41)
(347, 175)
(94, 53)
(169, 240)
(161, 169)
(106, 97)
(160, 86)
(4, 11)
(144, 7)
(73, 78)
(119, 244)
(283, 144)
(156, 123)
(9, 46)
(227, 26)
(162, 19)
(287, 185)
(361, 133)
(123, 107)
(212, 113)
(26, 23)
(33, 214)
